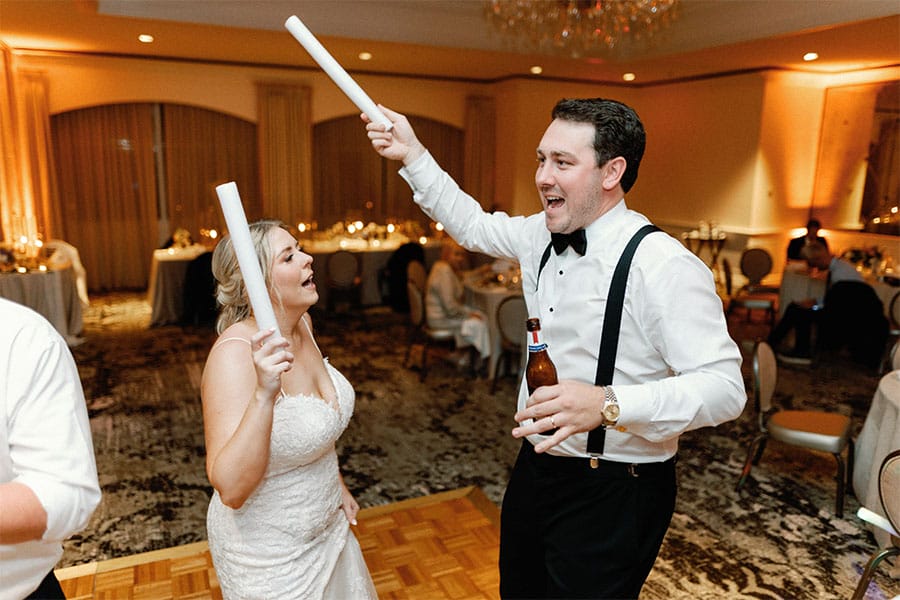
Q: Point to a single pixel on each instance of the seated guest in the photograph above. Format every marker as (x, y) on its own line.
(800, 315)
(853, 318)
(444, 306)
(796, 245)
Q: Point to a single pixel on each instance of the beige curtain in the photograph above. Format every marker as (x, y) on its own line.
(10, 185)
(445, 142)
(347, 174)
(202, 150)
(284, 132)
(480, 147)
(27, 181)
(352, 182)
(107, 191)
(37, 139)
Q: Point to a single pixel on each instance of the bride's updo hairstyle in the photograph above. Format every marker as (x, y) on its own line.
(231, 293)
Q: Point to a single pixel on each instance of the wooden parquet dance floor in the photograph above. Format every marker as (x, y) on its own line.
(434, 547)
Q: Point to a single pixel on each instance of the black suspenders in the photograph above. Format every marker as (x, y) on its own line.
(612, 323)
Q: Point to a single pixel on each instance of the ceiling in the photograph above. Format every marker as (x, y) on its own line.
(452, 39)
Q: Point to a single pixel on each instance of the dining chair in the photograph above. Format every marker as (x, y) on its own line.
(890, 360)
(511, 316)
(889, 494)
(65, 254)
(814, 430)
(199, 292)
(392, 277)
(344, 280)
(420, 332)
(748, 298)
(415, 272)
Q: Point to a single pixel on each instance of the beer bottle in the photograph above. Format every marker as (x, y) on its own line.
(540, 370)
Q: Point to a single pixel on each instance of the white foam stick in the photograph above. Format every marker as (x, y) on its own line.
(875, 519)
(335, 71)
(246, 255)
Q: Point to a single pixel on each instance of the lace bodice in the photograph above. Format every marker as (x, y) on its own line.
(291, 539)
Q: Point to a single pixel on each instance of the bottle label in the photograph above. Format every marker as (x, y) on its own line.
(536, 347)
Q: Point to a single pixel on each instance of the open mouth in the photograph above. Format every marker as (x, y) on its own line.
(308, 283)
(554, 202)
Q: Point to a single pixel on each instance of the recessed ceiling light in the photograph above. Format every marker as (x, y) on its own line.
(810, 56)
(145, 38)
(536, 70)
(629, 76)
(365, 56)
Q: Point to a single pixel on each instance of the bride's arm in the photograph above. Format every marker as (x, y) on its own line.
(238, 397)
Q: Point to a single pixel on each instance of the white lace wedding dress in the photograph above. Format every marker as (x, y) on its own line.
(291, 539)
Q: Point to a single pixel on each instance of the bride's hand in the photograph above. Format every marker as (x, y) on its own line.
(271, 358)
(348, 504)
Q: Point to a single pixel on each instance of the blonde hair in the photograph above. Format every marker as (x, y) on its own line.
(231, 293)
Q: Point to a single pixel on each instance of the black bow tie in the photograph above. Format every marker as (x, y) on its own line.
(577, 239)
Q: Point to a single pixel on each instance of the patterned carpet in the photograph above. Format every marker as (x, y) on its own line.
(777, 538)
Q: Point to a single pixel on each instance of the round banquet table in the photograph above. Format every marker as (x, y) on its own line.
(879, 436)
(53, 294)
(486, 297)
(373, 259)
(166, 290)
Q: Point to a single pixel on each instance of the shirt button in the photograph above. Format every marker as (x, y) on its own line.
(551, 309)
(560, 272)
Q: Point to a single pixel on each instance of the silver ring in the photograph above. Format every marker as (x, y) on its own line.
(552, 423)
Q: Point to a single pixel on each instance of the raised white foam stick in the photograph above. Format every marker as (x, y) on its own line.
(246, 256)
(335, 71)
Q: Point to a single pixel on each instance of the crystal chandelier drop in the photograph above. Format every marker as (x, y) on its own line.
(580, 27)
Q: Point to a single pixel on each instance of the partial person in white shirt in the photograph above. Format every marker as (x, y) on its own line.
(48, 476)
(445, 306)
(574, 524)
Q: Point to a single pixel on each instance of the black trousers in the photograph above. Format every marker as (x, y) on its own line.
(48, 590)
(569, 531)
(799, 318)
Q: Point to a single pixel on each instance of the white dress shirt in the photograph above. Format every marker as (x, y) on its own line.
(677, 369)
(45, 442)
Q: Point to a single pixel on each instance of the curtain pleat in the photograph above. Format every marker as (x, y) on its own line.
(35, 127)
(347, 174)
(480, 146)
(202, 150)
(352, 182)
(107, 191)
(10, 182)
(285, 151)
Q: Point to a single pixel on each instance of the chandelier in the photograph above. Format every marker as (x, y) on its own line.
(580, 27)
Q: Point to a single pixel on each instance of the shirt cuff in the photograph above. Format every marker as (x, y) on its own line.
(416, 174)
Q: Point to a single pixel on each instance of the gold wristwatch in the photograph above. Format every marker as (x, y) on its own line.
(610, 409)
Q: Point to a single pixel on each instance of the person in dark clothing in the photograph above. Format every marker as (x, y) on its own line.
(850, 314)
(796, 245)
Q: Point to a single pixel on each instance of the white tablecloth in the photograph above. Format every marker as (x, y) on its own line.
(373, 257)
(486, 298)
(166, 290)
(51, 293)
(797, 284)
(879, 436)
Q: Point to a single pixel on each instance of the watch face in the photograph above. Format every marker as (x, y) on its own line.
(611, 412)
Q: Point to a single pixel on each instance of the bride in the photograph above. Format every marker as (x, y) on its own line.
(279, 518)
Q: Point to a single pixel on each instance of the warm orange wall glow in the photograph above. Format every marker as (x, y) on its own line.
(739, 150)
